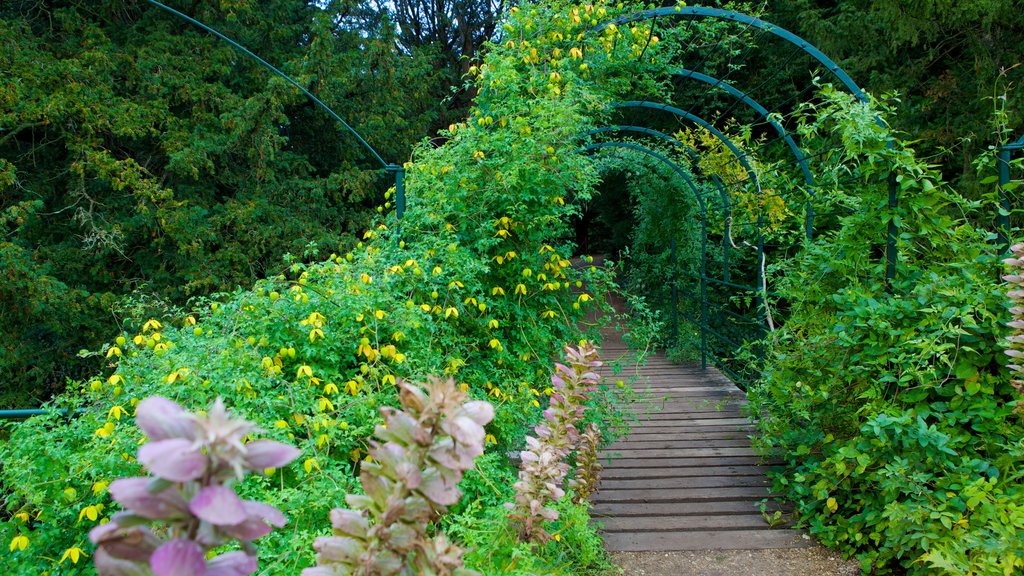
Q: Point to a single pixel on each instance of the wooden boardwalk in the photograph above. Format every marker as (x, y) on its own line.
(685, 478)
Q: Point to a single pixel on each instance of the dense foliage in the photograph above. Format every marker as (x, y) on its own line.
(141, 154)
(890, 402)
(476, 283)
(951, 64)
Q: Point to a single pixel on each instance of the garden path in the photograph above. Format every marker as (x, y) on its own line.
(685, 477)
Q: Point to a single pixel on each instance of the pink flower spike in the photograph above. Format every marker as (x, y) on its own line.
(108, 565)
(218, 505)
(177, 459)
(232, 564)
(134, 494)
(162, 419)
(269, 454)
(178, 557)
(257, 524)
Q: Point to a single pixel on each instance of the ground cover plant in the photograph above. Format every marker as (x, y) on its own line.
(891, 401)
(475, 284)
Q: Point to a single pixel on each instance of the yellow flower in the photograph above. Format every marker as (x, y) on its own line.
(90, 512)
(19, 542)
(105, 431)
(73, 553)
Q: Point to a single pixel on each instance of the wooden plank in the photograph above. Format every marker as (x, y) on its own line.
(672, 444)
(610, 463)
(682, 523)
(672, 483)
(641, 473)
(704, 540)
(689, 419)
(684, 494)
(680, 452)
(631, 509)
(670, 428)
(724, 421)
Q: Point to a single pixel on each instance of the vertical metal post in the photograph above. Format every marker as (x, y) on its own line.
(890, 241)
(725, 248)
(675, 292)
(399, 189)
(1004, 202)
(703, 290)
(809, 221)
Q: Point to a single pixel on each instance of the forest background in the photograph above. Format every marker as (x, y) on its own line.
(144, 163)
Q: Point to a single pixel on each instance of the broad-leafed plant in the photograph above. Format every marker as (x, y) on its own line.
(187, 508)
(422, 453)
(545, 466)
(1015, 350)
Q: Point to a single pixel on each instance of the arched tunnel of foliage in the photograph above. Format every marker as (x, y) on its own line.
(887, 399)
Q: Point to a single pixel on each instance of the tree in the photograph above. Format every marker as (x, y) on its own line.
(139, 153)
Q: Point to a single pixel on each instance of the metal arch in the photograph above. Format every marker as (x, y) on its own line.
(695, 12)
(1018, 145)
(720, 14)
(757, 107)
(694, 157)
(739, 156)
(697, 120)
(675, 167)
(703, 230)
(396, 169)
(1003, 160)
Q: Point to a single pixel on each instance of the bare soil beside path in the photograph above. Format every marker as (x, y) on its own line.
(776, 562)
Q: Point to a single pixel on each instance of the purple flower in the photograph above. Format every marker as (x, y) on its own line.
(178, 557)
(269, 454)
(218, 505)
(137, 495)
(258, 522)
(232, 564)
(177, 459)
(163, 419)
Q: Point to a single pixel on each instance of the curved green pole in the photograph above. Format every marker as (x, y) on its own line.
(695, 158)
(703, 231)
(756, 106)
(1004, 155)
(398, 171)
(720, 14)
(693, 12)
(741, 157)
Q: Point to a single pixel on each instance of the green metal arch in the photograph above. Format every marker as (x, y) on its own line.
(395, 169)
(757, 107)
(694, 12)
(703, 229)
(1004, 156)
(745, 98)
(675, 167)
(694, 157)
(698, 12)
(696, 120)
(741, 157)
